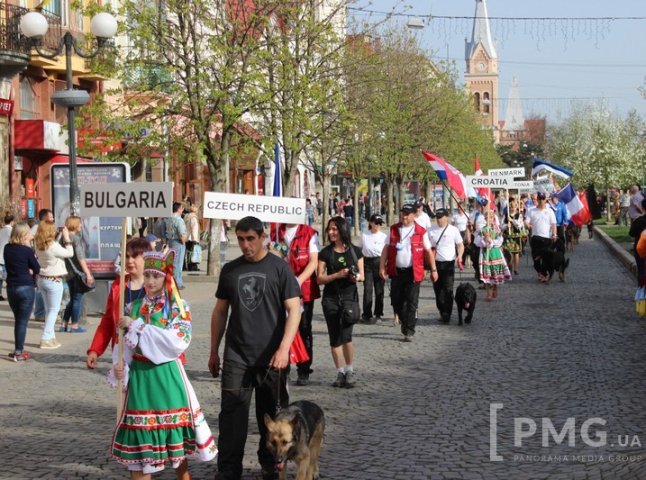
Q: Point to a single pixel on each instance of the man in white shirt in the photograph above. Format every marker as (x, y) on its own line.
(461, 221)
(421, 217)
(542, 222)
(448, 245)
(372, 244)
(478, 222)
(402, 260)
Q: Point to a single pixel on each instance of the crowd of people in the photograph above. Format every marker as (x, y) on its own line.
(265, 300)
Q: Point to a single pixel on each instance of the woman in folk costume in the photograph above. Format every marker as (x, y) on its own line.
(161, 422)
(493, 268)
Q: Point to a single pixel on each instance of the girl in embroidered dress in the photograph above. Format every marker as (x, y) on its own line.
(493, 268)
(161, 422)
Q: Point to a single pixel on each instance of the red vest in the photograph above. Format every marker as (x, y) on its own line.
(299, 257)
(417, 251)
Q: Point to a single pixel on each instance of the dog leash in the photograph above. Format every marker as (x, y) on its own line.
(278, 407)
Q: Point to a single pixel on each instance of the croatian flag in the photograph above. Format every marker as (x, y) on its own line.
(446, 171)
(576, 205)
(539, 165)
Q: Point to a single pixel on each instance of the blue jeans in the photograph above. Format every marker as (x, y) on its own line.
(39, 307)
(180, 253)
(52, 293)
(75, 305)
(21, 301)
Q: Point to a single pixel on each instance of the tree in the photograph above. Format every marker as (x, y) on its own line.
(191, 75)
(600, 147)
(404, 103)
(301, 79)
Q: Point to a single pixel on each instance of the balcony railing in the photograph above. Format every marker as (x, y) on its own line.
(11, 40)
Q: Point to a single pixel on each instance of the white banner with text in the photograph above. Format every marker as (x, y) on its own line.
(232, 206)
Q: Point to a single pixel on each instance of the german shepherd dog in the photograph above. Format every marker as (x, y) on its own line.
(296, 434)
(572, 234)
(465, 299)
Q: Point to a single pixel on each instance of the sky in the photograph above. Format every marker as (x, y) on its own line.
(557, 63)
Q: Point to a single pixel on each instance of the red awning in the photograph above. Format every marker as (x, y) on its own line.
(36, 136)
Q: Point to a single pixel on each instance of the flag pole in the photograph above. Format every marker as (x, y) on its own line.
(122, 295)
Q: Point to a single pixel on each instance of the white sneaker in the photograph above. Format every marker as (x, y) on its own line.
(50, 344)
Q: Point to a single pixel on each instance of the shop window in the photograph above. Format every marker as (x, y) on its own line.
(28, 100)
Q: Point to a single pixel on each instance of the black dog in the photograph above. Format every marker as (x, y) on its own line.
(465, 299)
(553, 260)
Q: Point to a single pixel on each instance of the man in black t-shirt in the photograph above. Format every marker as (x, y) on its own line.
(264, 298)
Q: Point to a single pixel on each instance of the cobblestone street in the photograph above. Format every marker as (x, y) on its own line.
(442, 407)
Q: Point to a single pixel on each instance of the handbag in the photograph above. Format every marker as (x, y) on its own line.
(351, 312)
(196, 253)
(297, 351)
(78, 274)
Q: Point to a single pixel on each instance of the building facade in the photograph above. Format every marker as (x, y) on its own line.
(33, 135)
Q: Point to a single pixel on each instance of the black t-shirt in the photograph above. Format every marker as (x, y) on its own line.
(333, 263)
(256, 293)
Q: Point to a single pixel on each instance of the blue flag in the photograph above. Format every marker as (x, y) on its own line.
(540, 165)
(278, 180)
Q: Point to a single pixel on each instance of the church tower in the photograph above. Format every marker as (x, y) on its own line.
(481, 76)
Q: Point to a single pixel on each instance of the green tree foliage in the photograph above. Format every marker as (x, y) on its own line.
(600, 147)
(402, 103)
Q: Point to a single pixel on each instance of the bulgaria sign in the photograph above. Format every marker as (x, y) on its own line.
(231, 206)
(137, 199)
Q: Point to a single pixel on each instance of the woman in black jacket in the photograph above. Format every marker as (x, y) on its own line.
(22, 266)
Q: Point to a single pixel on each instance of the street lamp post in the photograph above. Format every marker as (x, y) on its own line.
(104, 26)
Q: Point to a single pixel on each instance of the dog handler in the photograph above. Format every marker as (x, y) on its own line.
(542, 222)
(403, 261)
(264, 297)
(446, 240)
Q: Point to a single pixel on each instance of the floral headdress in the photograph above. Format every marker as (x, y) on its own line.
(159, 262)
(162, 263)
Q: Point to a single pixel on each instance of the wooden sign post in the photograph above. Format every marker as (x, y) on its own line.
(124, 201)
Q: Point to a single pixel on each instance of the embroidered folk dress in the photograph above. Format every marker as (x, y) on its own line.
(161, 422)
(493, 267)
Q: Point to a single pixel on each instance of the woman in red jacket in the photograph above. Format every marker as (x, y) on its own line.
(106, 332)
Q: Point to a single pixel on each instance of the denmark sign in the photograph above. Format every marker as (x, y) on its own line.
(507, 172)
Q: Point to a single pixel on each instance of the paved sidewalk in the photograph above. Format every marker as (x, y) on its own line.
(420, 410)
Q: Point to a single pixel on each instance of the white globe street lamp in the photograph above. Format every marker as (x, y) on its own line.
(33, 25)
